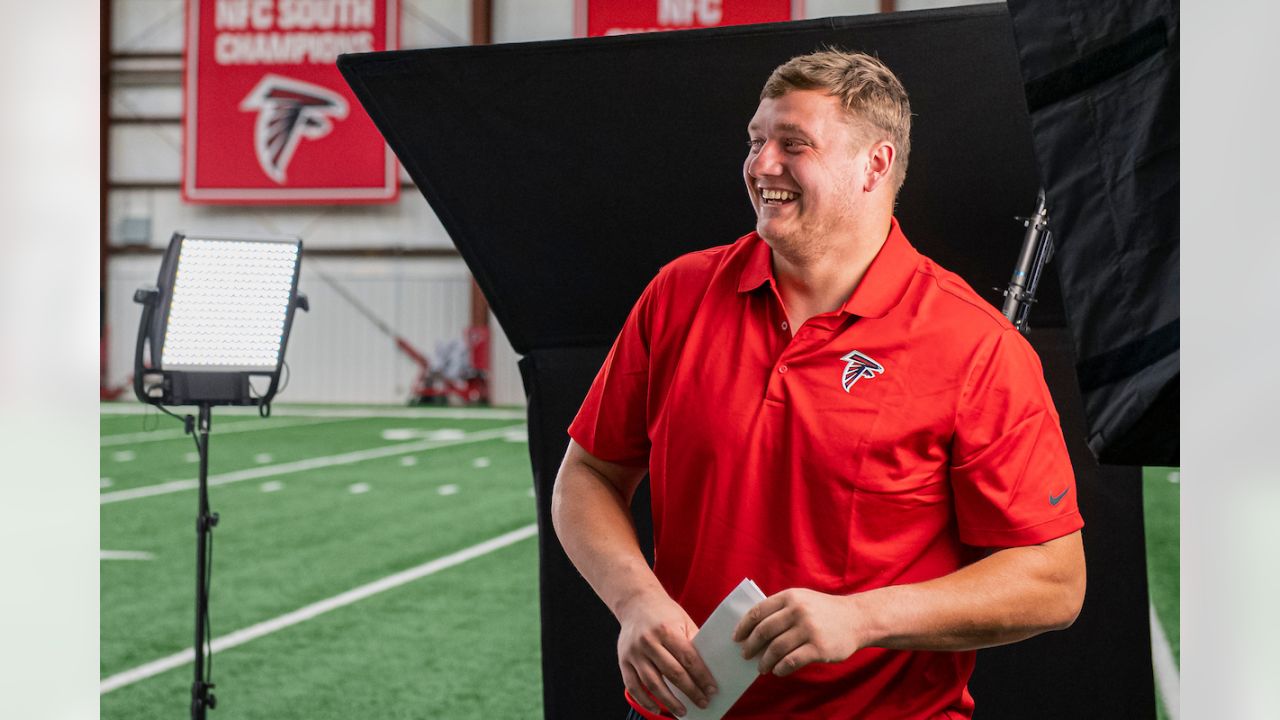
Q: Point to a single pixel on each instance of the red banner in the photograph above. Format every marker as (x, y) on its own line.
(593, 18)
(267, 116)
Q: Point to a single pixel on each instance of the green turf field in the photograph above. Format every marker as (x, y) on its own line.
(316, 502)
(459, 643)
(1161, 510)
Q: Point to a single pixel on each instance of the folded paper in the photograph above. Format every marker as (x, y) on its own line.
(723, 656)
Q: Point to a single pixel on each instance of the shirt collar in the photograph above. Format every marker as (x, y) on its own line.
(758, 268)
(881, 288)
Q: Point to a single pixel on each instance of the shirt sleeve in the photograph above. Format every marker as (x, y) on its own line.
(612, 423)
(1010, 473)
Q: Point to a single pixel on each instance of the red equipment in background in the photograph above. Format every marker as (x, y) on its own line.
(462, 368)
(105, 391)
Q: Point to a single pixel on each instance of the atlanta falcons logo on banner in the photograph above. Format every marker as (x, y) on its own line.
(267, 117)
(288, 111)
(858, 366)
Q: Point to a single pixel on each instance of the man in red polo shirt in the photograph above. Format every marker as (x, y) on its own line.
(826, 411)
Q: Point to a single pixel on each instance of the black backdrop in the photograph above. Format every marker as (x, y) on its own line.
(567, 172)
(1102, 86)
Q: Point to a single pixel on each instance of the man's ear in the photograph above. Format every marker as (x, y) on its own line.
(880, 158)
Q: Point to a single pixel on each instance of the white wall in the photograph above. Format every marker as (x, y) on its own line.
(528, 20)
(406, 224)
(155, 26)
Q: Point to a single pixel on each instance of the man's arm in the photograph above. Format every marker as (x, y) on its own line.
(1010, 595)
(590, 511)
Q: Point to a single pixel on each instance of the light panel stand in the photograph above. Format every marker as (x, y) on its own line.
(202, 697)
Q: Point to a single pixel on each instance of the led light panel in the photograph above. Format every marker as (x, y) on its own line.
(229, 307)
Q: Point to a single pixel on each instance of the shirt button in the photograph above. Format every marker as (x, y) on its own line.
(782, 369)
(785, 325)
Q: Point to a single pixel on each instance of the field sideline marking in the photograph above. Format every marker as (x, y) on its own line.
(1166, 670)
(253, 632)
(301, 465)
(320, 412)
(173, 433)
(125, 555)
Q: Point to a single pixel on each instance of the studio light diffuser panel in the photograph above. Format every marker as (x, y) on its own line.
(230, 305)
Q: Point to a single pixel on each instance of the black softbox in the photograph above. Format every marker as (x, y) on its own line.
(567, 172)
(1102, 87)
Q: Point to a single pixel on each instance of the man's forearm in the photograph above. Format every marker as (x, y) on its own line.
(1008, 596)
(591, 511)
(593, 521)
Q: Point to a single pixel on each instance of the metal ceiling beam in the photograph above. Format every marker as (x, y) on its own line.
(481, 34)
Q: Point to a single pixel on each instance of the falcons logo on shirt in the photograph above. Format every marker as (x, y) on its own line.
(858, 366)
(289, 110)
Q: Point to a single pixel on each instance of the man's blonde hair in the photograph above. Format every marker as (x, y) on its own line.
(869, 91)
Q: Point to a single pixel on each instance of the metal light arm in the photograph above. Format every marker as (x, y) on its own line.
(1037, 250)
(149, 298)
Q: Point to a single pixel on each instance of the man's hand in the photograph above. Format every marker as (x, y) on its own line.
(657, 641)
(797, 627)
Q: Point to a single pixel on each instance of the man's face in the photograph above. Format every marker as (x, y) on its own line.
(804, 171)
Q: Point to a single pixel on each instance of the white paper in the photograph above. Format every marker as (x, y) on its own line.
(723, 656)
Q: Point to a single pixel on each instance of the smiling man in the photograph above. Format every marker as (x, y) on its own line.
(822, 409)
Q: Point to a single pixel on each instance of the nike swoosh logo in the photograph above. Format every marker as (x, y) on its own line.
(1055, 499)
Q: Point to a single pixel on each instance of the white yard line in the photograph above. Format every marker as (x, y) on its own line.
(125, 555)
(1168, 682)
(301, 465)
(459, 413)
(240, 637)
(235, 427)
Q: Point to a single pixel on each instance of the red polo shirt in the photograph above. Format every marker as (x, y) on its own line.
(884, 443)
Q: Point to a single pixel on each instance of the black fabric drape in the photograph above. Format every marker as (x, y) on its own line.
(1101, 81)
